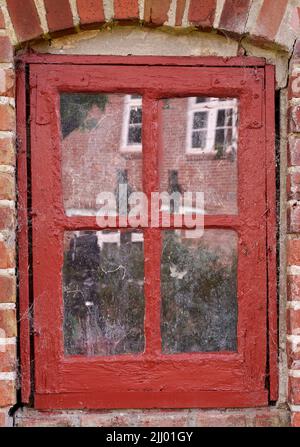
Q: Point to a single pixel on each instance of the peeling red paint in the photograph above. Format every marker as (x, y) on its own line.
(151, 379)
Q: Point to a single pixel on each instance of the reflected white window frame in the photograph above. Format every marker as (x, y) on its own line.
(129, 103)
(212, 107)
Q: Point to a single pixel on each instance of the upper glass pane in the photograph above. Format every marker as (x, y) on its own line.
(200, 147)
(101, 148)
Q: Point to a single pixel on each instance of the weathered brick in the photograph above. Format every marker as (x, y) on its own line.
(293, 217)
(294, 118)
(59, 15)
(295, 419)
(293, 352)
(294, 390)
(296, 53)
(293, 321)
(270, 18)
(8, 322)
(104, 420)
(202, 12)
(26, 23)
(46, 419)
(6, 49)
(156, 11)
(221, 420)
(294, 151)
(7, 393)
(7, 82)
(294, 87)
(7, 218)
(2, 20)
(7, 186)
(7, 151)
(7, 117)
(126, 9)
(8, 358)
(7, 289)
(90, 12)
(267, 419)
(293, 252)
(234, 15)
(180, 7)
(7, 256)
(293, 186)
(293, 288)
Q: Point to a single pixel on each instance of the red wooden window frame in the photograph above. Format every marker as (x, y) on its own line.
(151, 379)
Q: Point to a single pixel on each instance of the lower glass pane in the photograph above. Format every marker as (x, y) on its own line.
(103, 291)
(199, 291)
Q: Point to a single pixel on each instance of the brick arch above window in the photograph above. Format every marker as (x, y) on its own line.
(256, 19)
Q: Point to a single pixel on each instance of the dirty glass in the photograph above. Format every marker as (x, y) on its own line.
(103, 292)
(199, 291)
(101, 149)
(200, 146)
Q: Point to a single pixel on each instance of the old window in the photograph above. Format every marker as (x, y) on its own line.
(154, 313)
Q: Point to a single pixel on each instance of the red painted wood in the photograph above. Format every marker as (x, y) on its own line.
(213, 61)
(271, 228)
(90, 223)
(204, 399)
(22, 235)
(212, 379)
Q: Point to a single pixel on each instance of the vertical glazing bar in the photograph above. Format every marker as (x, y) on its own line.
(152, 237)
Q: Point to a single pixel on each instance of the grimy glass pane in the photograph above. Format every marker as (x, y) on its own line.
(98, 131)
(103, 292)
(200, 143)
(199, 291)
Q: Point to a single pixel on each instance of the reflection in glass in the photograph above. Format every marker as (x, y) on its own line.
(199, 291)
(101, 144)
(200, 145)
(103, 291)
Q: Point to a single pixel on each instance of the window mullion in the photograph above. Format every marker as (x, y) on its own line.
(151, 141)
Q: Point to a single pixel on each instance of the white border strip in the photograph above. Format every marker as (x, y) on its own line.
(295, 305)
(7, 306)
(8, 341)
(8, 376)
(293, 270)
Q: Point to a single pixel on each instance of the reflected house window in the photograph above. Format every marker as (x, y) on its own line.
(132, 124)
(212, 126)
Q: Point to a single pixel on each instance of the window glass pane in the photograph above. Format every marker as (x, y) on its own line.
(200, 143)
(220, 139)
(224, 118)
(135, 115)
(200, 99)
(103, 291)
(199, 139)
(200, 120)
(199, 291)
(221, 118)
(95, 130)
(135, 135)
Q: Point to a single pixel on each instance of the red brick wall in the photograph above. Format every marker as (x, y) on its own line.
(293, 241)
(263, 24)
